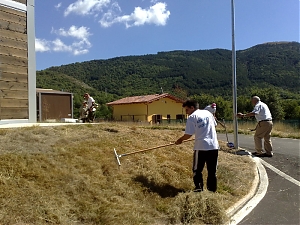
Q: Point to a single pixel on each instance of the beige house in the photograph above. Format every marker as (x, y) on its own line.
(17, 61)
(155, 108)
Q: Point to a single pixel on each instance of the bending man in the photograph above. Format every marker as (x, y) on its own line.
(90, 105)
(263, 129)
(212, 108)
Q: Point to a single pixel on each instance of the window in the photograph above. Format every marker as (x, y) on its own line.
(180, 118)
(169, 118)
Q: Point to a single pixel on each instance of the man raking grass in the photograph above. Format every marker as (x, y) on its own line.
(201, 123)
(213, 108)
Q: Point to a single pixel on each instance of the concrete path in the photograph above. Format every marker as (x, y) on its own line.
(281, 203)
(18, 125)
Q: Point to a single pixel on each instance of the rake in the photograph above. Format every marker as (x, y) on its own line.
(144, 150)
(229, 144)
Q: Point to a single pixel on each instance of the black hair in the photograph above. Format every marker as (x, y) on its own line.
(190, 103)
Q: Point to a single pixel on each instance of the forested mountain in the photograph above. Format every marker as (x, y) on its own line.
(265, 65)
(183, 73)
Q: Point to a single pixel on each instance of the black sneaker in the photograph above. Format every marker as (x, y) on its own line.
(257, 154)
(197, 190)
(266, 155)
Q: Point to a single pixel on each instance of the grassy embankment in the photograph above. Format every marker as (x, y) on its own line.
(69, 175)
(280, 129)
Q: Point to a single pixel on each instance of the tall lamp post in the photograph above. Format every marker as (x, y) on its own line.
(234, 92)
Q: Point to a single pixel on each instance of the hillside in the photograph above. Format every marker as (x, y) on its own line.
(59, 81)
(194, 72)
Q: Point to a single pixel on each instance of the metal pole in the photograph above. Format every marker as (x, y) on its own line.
(234, 92)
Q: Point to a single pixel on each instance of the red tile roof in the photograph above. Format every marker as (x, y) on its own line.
(144, 99)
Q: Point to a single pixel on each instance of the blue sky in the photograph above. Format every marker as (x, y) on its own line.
(69, 31)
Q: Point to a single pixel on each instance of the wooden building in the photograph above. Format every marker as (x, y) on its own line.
(53, 105)
(157, 108)
(17, 61)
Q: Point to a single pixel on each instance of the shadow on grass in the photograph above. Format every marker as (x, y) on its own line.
(111, 130)
(163, 190)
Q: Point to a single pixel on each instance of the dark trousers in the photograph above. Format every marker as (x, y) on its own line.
(91, 116)
(211, 159)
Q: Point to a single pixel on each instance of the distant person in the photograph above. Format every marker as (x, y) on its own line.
(212, 108)
(91, 107)
(83, 112)
(89, 100)
(202, 124)
(263, 129)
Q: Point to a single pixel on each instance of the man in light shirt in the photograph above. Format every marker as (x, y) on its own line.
(90, 106)
(212, 108)
(263, 129)
(202, 124)
(89, 100)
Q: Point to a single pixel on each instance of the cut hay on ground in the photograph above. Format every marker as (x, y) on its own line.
(69, 175)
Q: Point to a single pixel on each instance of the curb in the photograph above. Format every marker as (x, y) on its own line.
(243, 207)
(233, 209)
(21, 125)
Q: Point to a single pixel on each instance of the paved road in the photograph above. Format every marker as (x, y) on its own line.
(281, 203)
(281, 145)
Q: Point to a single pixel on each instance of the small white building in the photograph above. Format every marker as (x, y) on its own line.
(54, 105)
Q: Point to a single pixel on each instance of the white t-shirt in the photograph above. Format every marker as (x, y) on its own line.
(202, 124)
(210, 109)
(90, 102)
(262, 111)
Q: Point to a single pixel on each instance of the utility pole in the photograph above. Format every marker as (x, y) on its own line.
(234, 92)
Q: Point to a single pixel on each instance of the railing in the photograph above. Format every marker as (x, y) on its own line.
(252, 123)
(172, 121)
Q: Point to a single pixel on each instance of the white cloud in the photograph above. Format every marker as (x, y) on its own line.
(59, 46)
(79, 33)
(58, 5)
(116, 6)
(156, 14)
(110, 15)
(79, 46)
(86, 7)
(80, 52)
(75, 39)
(42, 45)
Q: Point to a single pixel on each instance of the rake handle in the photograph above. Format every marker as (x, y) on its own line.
(148, 149)
(222, 124)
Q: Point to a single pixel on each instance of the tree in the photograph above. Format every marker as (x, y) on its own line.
(224, 107)
(203, 100)
(104, 112)
(244, 104)
(291, 108)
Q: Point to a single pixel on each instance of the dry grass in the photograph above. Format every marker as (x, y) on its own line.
(194, 208)
(69, 175)
(280, 129)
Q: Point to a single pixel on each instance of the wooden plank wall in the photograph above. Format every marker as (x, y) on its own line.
(56, 106)
(21, 1)
(13, 64)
